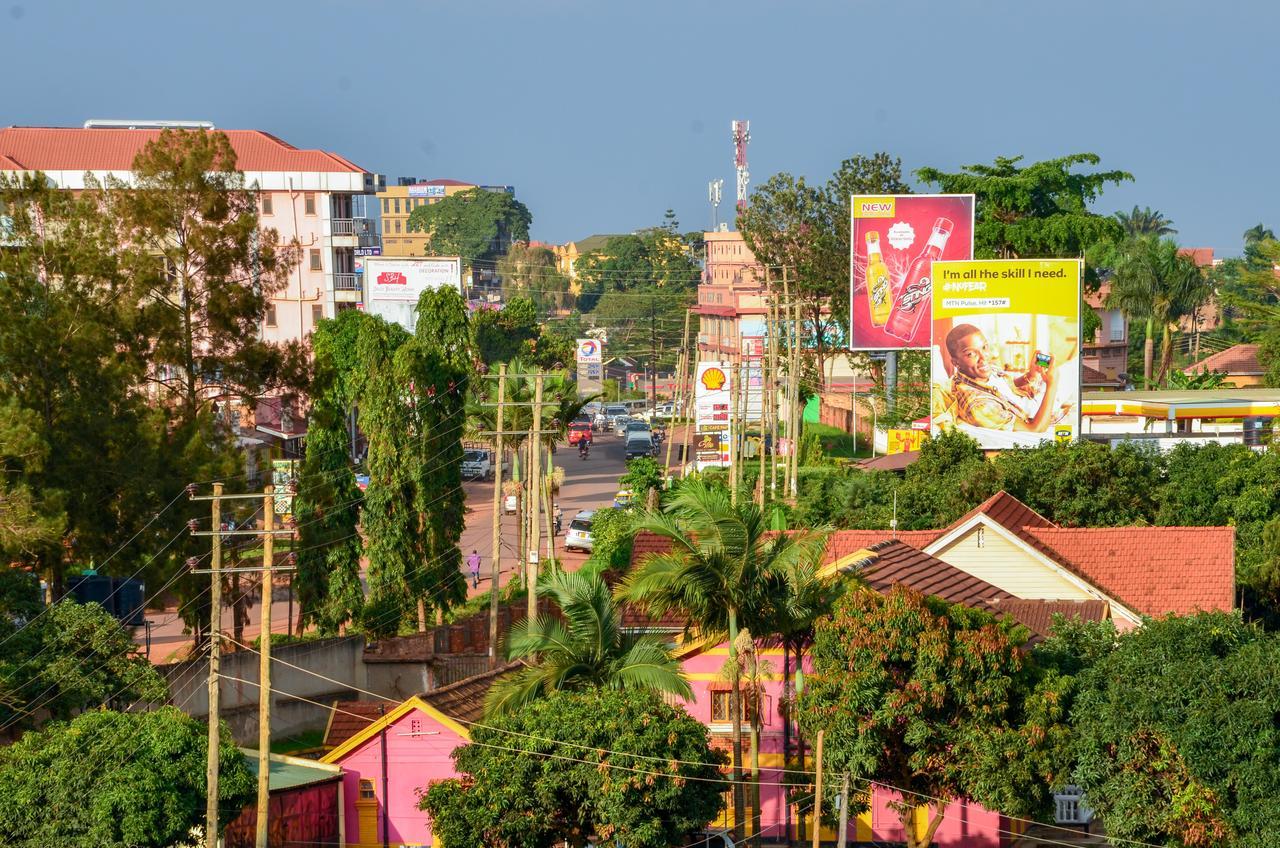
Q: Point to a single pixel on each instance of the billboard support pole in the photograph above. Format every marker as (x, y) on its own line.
(496, 571)
(890, 383)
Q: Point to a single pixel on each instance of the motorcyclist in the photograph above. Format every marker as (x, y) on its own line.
(559, 518)
(584, 447)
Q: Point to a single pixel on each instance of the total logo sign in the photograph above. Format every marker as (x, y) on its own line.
(590, 351)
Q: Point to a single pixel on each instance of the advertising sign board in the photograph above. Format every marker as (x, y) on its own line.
(902, 441)
(426, 191)
(392, 285)
(711, 397)
(590, 351)
(1005, 357)
(894, 240)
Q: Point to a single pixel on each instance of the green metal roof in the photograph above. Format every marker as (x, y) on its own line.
(290, 772)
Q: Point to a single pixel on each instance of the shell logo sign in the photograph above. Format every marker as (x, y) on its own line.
(713, 379)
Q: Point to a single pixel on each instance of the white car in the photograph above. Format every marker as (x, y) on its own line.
(579, 536)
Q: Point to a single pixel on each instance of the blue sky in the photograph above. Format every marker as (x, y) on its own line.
(604, 114)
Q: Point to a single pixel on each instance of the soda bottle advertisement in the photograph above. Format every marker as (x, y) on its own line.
(895, 240)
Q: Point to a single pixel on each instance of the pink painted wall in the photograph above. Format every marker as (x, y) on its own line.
(413, 762)
(965, 825)
(305, 288)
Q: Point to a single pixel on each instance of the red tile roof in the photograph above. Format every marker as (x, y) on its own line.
(1241, 359)
(76, 149)
(1152, 570)
(892, 462)
(895, 562)
(1094, 377)
(350, 717)
(1037, 615)
(1202, 256)
(446, 182)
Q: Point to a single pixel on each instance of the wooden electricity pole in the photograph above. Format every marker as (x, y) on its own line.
(497, 521)
(774, 340)
(535, 487)
(733, 432)
(215, 669)
(817, 794)
(264, 665)
(680, 402)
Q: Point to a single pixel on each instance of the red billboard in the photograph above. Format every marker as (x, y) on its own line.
(894, 240)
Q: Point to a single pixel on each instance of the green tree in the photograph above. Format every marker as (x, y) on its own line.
(327, 506)
(644, 475)
(534, 272)
(1252, 293)
(476, 224)
(1153, 283)
(1084, 484)
(1145, 222)
(499, 335)
(583, 646)
(1183, 753)
(716, 575)
(580, 768)
(68, 659)
(79, 454)
(905, 688)
(124, 780)
(1041, 210)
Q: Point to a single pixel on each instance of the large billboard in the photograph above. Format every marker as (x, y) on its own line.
(1005, 358)
(894, 240)
(392, 285)
(590, 361)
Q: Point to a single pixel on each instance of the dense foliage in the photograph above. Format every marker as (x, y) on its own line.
(602, 766)
(476, 224)
(116, 780)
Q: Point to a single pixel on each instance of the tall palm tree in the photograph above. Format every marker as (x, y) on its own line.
(717, 575)
(1154, 284)
(1145, 222)
(582, 647)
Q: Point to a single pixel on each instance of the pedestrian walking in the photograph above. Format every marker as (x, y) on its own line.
(473, 563)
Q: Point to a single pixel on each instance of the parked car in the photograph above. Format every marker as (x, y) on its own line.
(620, 425)
(578, 431)
(611, 413)
(579, 536)
(665, 410)
(477, 465)
(640, 443)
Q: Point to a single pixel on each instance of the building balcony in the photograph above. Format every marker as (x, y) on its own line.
(342, 226)
(346, 282)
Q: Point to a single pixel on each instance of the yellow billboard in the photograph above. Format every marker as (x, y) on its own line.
(903, 441)
(1005, 352)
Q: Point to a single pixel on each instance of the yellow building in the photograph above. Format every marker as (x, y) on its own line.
(567, 255)
(396, 202)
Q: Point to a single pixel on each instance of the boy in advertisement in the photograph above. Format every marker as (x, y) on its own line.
(985, 396)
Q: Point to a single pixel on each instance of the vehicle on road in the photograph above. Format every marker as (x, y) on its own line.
(611, 413)
(578, 431)
(623, 499)
(640, 443)
(579, 536)
(477, 464)
(665, 411)
(620, 425)
(599, 422)
(584, 448)
(635, 425)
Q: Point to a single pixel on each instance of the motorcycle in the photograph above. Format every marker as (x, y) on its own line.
(559, 520)
(584, 447)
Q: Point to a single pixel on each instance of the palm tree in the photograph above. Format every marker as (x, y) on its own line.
(1145, 222)
(1155, 284)
(717, 575)
(585, 646)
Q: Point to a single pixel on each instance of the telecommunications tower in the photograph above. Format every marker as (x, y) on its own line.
(741, 137)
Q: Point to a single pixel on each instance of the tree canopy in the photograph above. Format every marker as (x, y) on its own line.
(116, 780)
(476, 224)
(598, 765)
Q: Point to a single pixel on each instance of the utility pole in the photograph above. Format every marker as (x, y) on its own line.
(794, 417)
(215, 668)
(264, 665)
(653, 352)
(497, 522)
(732, 432)
(817, 793)
(681, 402)
(843, 835)
(535, 487)
(267, 534)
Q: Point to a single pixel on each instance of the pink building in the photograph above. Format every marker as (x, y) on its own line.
(306, 195)
(731, 297)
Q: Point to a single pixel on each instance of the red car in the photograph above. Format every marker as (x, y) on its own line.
(578, 431)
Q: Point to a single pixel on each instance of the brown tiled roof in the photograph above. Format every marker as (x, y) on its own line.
(1241, 359)
(1094, 377)
(1037, 615)
(348, 718)
(892, 462)
(1152, 570)
(894, 563)
(78, 149)
(841, 543)
(464, 700)
(1202, 256)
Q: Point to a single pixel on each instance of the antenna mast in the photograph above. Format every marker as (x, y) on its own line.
(741, 137)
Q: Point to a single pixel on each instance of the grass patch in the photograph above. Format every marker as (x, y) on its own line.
(836, 443)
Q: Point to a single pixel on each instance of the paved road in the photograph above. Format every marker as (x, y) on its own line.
(589, 484)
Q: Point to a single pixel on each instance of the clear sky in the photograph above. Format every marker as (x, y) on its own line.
(604, 114)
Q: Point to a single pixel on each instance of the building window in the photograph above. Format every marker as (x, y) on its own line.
(720, 713)
(397, 225)
(386, 206)
(315, 259)
(366, 790)
(271, 315)
(317, 313)
(386, 225)
(266, 204)
(309, 203)
(396, 203)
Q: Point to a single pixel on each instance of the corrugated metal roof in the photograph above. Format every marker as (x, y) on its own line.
(289, 772)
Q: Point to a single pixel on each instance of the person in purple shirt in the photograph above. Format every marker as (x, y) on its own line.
(473, 563)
